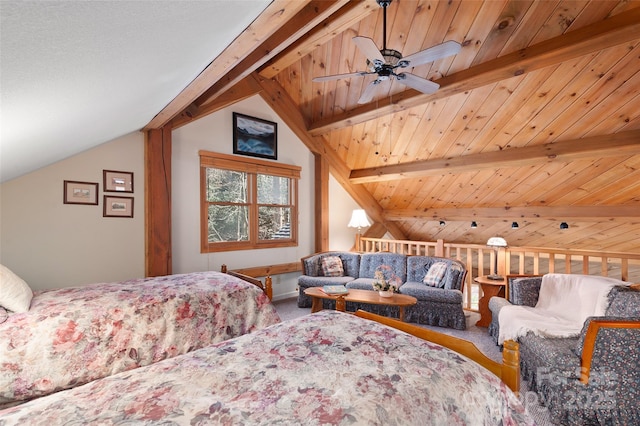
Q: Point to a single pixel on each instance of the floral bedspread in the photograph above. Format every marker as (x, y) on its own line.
(324, 368)
(71, 336)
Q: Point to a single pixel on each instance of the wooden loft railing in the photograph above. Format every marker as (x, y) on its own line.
(514, 260)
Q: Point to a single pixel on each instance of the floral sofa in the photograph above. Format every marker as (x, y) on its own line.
(592, 377)
(439, 303)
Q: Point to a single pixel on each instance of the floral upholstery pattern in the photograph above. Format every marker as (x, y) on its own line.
(312, 274)
(552, 365)
(324, 368)
(71, 336)
(435, 306)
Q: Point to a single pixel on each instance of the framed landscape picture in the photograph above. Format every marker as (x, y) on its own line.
(117, 206)
(255, 137)
(80, 193)
(115, 181)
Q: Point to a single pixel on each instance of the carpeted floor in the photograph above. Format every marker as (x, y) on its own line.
(288, 309)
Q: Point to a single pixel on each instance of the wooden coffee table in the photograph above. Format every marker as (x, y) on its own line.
(360, 296)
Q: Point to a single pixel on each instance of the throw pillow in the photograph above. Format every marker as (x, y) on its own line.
(435, 275)
(15, 294)
(332, 266)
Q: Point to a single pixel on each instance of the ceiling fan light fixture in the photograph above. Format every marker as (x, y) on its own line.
(384, 62)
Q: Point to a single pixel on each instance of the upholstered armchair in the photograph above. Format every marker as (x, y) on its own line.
(592, 377)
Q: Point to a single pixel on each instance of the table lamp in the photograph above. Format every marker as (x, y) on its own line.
(358, 220)
(496, 243)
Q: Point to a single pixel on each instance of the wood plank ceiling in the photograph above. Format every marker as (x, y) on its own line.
(537, 120)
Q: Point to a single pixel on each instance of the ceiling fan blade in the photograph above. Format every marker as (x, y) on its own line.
(421, 84)
(370, 90)
(370, 50)
(339, 76)
(431, 54)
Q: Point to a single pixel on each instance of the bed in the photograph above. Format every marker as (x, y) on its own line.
(71, 336)
(324, 368)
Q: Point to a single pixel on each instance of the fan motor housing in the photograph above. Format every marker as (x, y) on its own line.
(391, 58)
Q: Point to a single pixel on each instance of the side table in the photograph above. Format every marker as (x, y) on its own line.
(489, 288)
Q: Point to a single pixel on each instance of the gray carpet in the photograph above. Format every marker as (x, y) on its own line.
(288, 309)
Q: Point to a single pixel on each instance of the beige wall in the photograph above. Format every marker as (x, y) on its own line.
(50, 244)
(214, 133)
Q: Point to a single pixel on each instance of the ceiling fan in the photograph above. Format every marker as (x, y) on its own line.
(386, 62)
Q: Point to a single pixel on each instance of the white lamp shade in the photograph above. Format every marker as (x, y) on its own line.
(358, 219)
(497, 242)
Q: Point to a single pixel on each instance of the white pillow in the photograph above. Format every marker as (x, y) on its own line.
(15, 294)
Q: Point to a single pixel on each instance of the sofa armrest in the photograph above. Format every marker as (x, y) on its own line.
(524, 290)
(602, 331)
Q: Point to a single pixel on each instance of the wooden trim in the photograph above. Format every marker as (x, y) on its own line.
(242, 90)
(618, 144)
(278, 99)
(590, 342)
(508, 371)
(321, 198)
(267, 287)
(247, 164)
(157, 194)
(263, 271)
(532, 213)
(573, 44)
(252, 167)
(312, 13)
(347, 16)
(276, 14)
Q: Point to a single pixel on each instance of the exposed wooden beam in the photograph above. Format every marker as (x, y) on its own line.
(625, 143)
(560, 213)
(289, 112)
(276, 14)
(157, 197)
(244, 89)
(618, 29)
(321, 198)
(307, 18)
(346, 17)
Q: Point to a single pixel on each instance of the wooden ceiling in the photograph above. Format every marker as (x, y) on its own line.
(537, 119)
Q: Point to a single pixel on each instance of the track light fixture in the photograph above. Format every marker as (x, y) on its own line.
(564, 225)
(514, 225)
(474, 224)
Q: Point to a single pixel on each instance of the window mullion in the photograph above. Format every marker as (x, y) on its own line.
(253, 209)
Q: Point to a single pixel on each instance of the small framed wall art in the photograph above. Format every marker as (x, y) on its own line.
(115, 206)
(80, 192)
(255, 137)
(115, 181)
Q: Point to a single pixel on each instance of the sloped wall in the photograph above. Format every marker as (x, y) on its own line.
(51, 244)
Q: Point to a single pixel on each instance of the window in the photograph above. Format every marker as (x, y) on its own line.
(247, 203)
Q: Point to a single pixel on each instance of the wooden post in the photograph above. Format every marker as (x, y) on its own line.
(321, 203)
(157, 194)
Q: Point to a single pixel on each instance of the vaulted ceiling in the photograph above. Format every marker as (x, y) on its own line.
(537, 119)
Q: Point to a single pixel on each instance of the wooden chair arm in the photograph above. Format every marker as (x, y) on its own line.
(590, 342)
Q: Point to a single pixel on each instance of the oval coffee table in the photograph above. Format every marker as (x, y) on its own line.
(361, 296)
